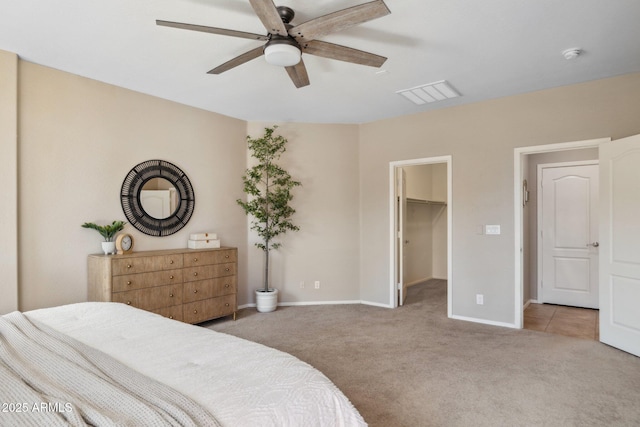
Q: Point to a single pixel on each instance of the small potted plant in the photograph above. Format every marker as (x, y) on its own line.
(108, 232)
(268, 187)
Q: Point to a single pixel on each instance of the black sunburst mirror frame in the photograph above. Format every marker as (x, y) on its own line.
(132, 206)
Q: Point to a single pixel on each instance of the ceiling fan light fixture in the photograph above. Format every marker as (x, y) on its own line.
(282, 52)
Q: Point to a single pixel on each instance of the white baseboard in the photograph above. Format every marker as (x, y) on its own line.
(376, 304)
(528, 303)
(415, 282)
(284, 304)
(301, 303)
(485, 321)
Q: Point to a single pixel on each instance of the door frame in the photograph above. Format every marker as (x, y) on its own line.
(393, 223)
(519, 157)
(539, 209)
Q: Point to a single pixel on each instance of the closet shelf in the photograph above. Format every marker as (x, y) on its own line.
(426, 202)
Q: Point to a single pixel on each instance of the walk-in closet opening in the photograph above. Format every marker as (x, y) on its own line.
(421, 227)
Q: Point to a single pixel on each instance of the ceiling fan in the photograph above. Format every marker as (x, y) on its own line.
(285, 42)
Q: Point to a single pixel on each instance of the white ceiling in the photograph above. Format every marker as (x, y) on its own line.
(484, 48)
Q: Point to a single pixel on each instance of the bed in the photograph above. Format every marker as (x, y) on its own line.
(237, 382)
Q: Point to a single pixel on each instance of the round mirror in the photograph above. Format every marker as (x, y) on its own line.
(157, 198)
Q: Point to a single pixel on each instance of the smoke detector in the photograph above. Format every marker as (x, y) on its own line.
(572, 53)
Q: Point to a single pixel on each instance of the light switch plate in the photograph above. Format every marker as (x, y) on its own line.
(492, 229)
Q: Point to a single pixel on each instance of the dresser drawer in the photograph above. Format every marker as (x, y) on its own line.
(209, 271)
(129, 265)
(209, 257)
(130, 282)
(172, 261)
(173, 312)
(199, 311)
(204, 289)
(151, 298)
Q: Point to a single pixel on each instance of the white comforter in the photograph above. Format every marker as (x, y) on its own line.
(241, 383)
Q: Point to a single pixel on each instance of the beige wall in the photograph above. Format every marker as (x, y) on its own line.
(81, 137)
(426, 226)
(78, 140)
(9, 180)
(324, 158)
(480, 138)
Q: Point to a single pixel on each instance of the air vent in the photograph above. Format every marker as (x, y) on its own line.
(431, 92)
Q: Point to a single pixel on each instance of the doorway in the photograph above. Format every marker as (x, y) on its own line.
(430, 204)
(527, 252)
(619, 262)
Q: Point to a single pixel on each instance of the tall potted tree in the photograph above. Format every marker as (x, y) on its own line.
(268, 187)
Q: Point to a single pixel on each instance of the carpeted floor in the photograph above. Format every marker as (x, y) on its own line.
(413, 366)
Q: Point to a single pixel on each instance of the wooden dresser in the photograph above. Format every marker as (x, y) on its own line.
(190, 285)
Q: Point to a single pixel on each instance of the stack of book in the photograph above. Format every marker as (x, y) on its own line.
(203, 241)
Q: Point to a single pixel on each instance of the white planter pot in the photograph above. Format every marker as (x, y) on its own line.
(109, 247)
(266, 301)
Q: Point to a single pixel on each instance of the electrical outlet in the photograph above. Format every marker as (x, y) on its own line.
(479, 299)
(302, 284)
(317, 284)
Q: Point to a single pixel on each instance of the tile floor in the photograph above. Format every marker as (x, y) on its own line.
(563, 320)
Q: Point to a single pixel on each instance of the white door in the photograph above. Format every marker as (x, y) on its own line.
(570, 235)
(620, 244)
(156, 203)
(402, 242)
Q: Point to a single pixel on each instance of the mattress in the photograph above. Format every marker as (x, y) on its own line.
(240, 382)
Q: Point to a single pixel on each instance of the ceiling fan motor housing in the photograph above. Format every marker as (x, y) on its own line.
(286, 14)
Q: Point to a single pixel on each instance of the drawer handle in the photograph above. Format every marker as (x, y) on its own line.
(195, 291)
(170, 317)
(171, 262)
(128, 302)
(226, 256)
(129, 283)
(226, 286)
(195, 311)
(226, 269)
(226, 305)
(128, 265)
(171, 295)
(195, 274)
(195, 260)
(171, 277)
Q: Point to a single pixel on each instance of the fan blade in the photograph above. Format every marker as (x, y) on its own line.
(238, 60)
(342, 53)
(212, 30)
(298, 74)
(268, 14)
(339, 20)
